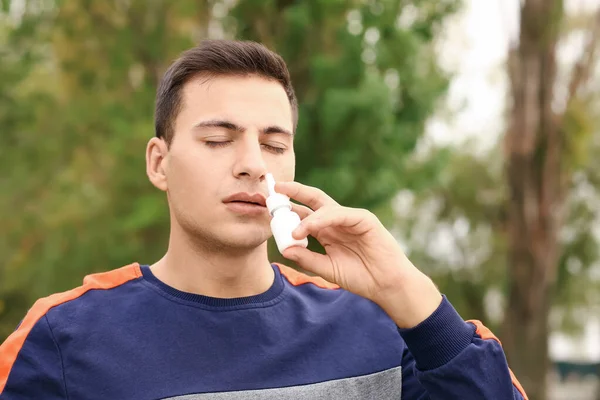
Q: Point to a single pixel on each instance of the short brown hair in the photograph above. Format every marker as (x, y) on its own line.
(213, 58)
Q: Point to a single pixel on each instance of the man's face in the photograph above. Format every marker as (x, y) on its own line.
(230, 132)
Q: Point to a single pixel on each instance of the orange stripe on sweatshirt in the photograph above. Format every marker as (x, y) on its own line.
(298, 278)
(10, 349)
(485, 333)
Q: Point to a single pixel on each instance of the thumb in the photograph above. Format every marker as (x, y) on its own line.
(311, 261)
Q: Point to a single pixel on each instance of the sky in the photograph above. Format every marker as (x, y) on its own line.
(474, 48)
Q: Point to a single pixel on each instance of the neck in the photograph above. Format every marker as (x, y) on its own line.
(218, 273)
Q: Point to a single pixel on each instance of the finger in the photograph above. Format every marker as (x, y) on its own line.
(311, 261)
(311, 196)
(354, 220)
(301, 210)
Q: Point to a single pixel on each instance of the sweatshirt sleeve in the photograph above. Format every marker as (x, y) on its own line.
(30, 363)
(449, 358)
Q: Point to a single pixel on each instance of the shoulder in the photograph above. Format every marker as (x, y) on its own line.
(36, 327)
(102, 282)
(100, 293)
(297, 278)
(329, 299)
(99, 281)
(343, 315)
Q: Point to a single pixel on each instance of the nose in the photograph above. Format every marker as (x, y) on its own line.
(250, 163)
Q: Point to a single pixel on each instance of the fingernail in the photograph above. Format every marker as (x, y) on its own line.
(297, 233)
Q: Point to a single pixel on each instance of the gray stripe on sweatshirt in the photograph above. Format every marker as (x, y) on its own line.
(385, 385)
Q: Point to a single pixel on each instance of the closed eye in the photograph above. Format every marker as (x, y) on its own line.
(268, 147)
(217, 144)
(274, 149)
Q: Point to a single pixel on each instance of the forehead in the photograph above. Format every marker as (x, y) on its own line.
(246, 100)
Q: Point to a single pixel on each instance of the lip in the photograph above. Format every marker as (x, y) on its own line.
(246, 203)
(245, 197)
(248, 209)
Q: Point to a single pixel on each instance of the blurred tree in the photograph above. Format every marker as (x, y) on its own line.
(77, 103)
(529, 205)
(537, 147)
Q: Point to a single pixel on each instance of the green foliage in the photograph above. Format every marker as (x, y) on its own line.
(467, 213)
(455, 231)
(77, 85)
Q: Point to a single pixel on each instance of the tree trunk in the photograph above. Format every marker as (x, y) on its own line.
(533, 169)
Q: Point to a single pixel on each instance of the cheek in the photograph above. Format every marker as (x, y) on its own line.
(283, 168)
(187, 175)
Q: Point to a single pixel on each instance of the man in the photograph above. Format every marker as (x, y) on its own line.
(214, 319)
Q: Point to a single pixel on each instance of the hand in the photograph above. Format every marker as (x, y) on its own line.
(361, 256)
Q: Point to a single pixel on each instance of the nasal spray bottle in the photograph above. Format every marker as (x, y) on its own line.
(284, 220)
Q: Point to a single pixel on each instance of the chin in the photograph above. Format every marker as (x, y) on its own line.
(226, 234)
(245, 236)
(232, 237)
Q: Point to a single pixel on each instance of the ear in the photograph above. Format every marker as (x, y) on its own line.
(157, 162)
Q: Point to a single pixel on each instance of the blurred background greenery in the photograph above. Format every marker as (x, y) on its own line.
(508, 233)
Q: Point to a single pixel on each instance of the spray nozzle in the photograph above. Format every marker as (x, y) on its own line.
(284, 220)
(270, 183)
(275, 200)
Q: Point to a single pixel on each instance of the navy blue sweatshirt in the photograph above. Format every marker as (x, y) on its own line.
(124, 334)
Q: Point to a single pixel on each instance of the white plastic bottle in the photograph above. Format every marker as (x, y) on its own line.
(284, 220)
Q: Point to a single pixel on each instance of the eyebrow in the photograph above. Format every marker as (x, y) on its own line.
(230, 126)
